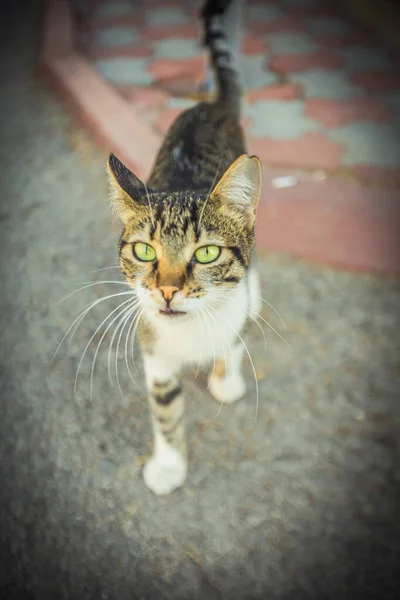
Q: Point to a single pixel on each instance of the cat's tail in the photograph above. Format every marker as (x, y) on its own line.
(222, 35)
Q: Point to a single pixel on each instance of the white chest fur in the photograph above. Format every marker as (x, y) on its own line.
(207, 334)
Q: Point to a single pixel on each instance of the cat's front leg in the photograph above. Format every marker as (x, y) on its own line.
(166, 470)
(226, 382)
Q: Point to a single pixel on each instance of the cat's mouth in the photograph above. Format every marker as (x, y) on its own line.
(170, 312)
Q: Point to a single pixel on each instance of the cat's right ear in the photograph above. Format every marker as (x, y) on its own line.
(127, 190)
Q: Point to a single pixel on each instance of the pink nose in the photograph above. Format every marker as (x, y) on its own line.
(168, 291)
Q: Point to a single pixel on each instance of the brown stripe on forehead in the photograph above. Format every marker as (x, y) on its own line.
(194, 218)
(175, 212)
(171, 230)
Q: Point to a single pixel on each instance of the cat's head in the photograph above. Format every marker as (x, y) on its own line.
(182, 251)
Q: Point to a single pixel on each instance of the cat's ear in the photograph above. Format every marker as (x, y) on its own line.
(127, 190)
(240, 186)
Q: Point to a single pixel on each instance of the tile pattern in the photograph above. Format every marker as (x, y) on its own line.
(280, 43)
(331, 85)
(279, 120)
(125, 70)
(116, 36)
(112, 9)
(321, 90)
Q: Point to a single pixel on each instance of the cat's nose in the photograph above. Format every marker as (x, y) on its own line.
(168, 291)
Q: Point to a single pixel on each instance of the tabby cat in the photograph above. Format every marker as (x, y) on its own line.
(186, 250)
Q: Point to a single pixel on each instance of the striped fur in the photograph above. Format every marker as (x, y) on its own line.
(203, 190)
(167, 403)
(220, 40)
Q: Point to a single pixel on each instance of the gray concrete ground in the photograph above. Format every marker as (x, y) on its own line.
(299, 504)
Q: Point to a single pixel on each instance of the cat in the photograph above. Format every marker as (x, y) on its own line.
(187, 251)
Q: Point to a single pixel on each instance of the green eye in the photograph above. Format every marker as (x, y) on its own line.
(207, 254)
(144, 252)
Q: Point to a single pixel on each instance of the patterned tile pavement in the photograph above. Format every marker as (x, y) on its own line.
(322, 90)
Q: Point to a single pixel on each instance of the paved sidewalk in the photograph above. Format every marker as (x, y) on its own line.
(321, 108)
(299, 505)
(323, 91)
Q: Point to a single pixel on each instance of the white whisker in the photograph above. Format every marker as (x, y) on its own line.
(223, 338)
(88, 286)
(133, 341)
(212, 341)
(150, 207)
(115, 332)
(105, 269)
(223, 348)
(127, 308)
(274, 309)
(88, 344)
(82, 315)
(135, 319)
(267, 323)
(225, 300)
(125, 321)
(201, 344)
(248, 354)
(277, 332)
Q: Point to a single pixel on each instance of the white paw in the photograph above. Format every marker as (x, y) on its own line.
(227, 390)
(163, 476)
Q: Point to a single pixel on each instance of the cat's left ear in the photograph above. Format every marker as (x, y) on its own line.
(240, 186)
(128, 192)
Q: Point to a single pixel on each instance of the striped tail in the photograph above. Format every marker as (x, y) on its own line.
(222, 38)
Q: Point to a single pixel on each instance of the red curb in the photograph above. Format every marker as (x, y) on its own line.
(334, 222)
(114, 122)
